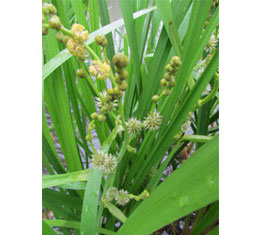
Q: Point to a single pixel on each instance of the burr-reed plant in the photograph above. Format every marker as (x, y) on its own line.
(130, 117)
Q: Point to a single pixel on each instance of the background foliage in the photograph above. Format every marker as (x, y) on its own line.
(178, 168)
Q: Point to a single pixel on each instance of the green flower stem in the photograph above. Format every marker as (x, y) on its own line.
(90, 141)
(66, 32)
(194, 138)
(212, 93)
(154, 104)
(214, 106)
(91, 52)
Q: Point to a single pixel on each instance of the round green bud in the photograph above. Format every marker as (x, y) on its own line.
(108, 98)
(80, 73)
(155, 98)
(166, 92)
(116, 90)
(94, 115)
(117, 78)
(101, 40)
(163, 82)
(123, 85)
(167, 76)
(171, 83)
(43, 18)
(120, 60)
(175, 61)
(54, 22)
(101, 118)
(103, 110)
(45, 8)
(52, 9)
(123, 74)
(168, 68)
(110, 91)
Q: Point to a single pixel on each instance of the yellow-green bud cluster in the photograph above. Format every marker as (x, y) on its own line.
(101, 40)
(106, 103)
(48, 9)
(75, 44)
(121, 61)
(91, 126)
(103, 161)
(153, 121)
(168, 80)
(122, 197)
(99, 69)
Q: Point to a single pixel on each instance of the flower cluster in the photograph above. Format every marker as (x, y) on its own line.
(172, 69)
(49, 10)
(101, 40)
(134, 126)
(75, 44)
(153, 121)
(99, 69)
(105, 103)
(104, 161)
(122, 197)
(121, 61)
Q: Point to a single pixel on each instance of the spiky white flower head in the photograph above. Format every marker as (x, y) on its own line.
(153, 121)
(207, 90)
(110, 164)
(212, 43)
(111, 194)
(106, 102)
(104, 161)
(122, 198)
(134, 126)
(98, 159)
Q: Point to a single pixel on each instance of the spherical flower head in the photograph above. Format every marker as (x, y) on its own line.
(80, 34)
(75, 48)
(110, 164)
(101, 40)
(134, 126)
(175, 61)
(54, 22)
(98, 160)
(120, 61)
(153, 121)
(212, 43)
(99, 70)
(122, 198)
(111, 194)
(106, 102)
